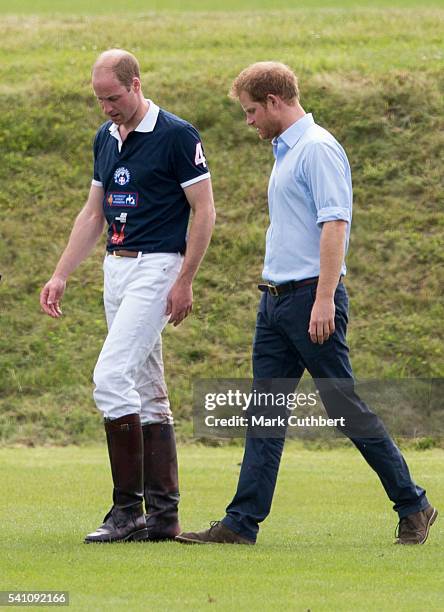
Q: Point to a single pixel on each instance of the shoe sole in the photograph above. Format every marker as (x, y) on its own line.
(137, 536)
(183, 540)
(160, 539)
(430, 523)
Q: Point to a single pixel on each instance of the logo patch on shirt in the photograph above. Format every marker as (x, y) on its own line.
(122, 199)
(122, 176)
(118, 237)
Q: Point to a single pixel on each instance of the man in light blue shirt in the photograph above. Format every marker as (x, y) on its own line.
(310, 184)
(303, 314)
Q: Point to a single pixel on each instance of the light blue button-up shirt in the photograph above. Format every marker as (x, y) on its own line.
(310, 183)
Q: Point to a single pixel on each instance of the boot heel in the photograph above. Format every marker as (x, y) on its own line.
(138, 536)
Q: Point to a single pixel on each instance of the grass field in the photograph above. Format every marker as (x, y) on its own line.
(371, 71)
(374, 78)
(95, 7)
(326, 546)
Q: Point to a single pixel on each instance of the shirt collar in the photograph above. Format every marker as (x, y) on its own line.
(147, 124)
(296, 130)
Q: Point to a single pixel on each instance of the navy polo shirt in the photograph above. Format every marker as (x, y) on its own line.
(143, 179)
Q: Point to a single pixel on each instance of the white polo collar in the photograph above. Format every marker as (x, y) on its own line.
(147, 124)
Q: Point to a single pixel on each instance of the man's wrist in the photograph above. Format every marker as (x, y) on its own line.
(186, 278)
(60, 276)
(325, 294)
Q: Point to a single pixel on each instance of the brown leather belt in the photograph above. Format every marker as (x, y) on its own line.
(276, 290)
(123, 253)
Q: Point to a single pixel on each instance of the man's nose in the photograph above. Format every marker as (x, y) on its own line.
(250, 121)
(106, 106)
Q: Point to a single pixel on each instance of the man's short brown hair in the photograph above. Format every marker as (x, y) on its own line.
(264, 78)
(123, 64)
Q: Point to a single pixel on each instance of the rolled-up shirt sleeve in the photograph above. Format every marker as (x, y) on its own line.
(328, 177)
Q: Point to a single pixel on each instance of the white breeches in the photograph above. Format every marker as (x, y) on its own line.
(129, 375)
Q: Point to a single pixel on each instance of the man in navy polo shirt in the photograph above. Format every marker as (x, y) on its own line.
(149, 172)
(303, 313)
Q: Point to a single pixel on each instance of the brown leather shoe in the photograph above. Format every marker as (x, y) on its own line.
(216, 534)
(414, 528)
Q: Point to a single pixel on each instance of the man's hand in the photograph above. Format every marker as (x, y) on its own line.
(179, 301)
(322, 320)
(51, 295)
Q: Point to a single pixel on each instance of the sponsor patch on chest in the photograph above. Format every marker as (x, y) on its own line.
(122, 176)
(122, 199)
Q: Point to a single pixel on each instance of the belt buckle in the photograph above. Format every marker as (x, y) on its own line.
(273, 290)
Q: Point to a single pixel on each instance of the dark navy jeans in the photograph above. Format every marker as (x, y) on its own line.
(282, 349)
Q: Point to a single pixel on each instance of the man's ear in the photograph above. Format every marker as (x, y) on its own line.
(273, 101)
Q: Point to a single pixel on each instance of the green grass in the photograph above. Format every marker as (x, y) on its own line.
(372, 77)
(95, 7)
(327, 544)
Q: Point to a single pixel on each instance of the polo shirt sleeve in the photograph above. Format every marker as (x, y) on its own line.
(96, 176)
(329, 182)
(189, 162)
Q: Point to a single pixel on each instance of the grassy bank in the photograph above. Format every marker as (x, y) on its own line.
(374, 78)
(95, 7)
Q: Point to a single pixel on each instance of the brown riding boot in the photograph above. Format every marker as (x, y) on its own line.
(161, 484)
(126, 520)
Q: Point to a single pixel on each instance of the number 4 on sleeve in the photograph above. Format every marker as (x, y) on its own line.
(200, 157)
